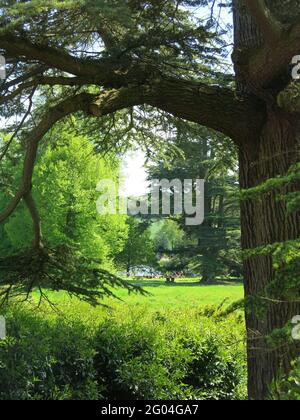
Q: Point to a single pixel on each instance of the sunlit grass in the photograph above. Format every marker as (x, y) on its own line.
(185, 293)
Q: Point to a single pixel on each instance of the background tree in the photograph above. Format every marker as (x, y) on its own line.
(139, 248)
(167, 235)
(213, 248)
(66, 177)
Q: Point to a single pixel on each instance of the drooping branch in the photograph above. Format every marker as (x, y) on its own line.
(19, 127)
(268, 24)
(37, 224)
(96, 105)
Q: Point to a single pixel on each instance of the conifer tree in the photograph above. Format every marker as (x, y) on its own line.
(101, 57)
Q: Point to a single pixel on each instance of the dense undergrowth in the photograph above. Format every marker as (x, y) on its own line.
(128, 353)
(131, 352)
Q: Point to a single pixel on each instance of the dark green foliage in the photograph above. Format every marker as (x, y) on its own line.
(46, 360)
(213, 249)
(57, 269)
(159, 31)
(67, 359)
(287, 388)
(213, 374)
(285, 286)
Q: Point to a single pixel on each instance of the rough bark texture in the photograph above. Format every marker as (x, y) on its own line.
(265, 154)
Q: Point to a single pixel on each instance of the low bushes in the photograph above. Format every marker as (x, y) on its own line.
(46, 360)
(124, 355)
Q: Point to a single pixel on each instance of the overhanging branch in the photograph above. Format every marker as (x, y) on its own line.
(106, 72)
(97, 105)
(211, 106)
(136, 83)
(37, 225)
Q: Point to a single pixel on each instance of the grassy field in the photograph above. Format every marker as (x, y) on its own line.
(174, 343)
(185, 293)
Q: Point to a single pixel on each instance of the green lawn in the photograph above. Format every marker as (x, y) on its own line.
(184, 293)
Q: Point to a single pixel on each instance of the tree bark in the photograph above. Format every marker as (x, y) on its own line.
(266, 154)
(264, 222)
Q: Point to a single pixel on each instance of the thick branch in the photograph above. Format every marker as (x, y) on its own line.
(210, 106)
(107, 103)
(17, 47)
(37, 225)
(106, 71)
(268, 24)
(117, 99)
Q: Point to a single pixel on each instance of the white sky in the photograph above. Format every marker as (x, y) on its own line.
(133, 175)
(133, 170)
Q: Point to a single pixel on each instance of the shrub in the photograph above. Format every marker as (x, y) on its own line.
(212, 374)
(163, 360)
(46, 360)
(138, 363)
(125, 355)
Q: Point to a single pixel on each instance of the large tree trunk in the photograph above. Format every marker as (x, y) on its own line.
(267, 221)
(265, 154)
